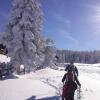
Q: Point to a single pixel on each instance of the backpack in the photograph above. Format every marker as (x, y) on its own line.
(70, 67)
(70, 76)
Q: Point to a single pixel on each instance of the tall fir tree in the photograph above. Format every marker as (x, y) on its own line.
(23, 40)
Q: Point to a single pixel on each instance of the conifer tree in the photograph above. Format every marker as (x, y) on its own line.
(22, 37)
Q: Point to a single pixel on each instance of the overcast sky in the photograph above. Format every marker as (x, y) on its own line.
(73, 24)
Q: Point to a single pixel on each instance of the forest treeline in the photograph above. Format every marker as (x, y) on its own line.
(90, 57)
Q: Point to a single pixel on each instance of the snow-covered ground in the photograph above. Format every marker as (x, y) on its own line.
(46, 84)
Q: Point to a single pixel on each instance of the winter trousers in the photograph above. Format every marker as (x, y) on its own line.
(69, 96)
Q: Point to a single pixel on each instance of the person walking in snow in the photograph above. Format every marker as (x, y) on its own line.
(73, 67)
(70, 81)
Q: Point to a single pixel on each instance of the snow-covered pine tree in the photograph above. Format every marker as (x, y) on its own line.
(22, 38)
(50, 53)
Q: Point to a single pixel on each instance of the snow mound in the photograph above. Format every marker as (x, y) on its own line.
(4, 58)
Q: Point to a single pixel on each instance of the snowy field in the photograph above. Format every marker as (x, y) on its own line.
(46, 84)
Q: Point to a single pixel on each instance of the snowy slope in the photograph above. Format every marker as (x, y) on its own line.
(90, 80)
(46, 84)
(37, 84)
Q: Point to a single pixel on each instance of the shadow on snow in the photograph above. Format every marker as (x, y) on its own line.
(46, 98)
